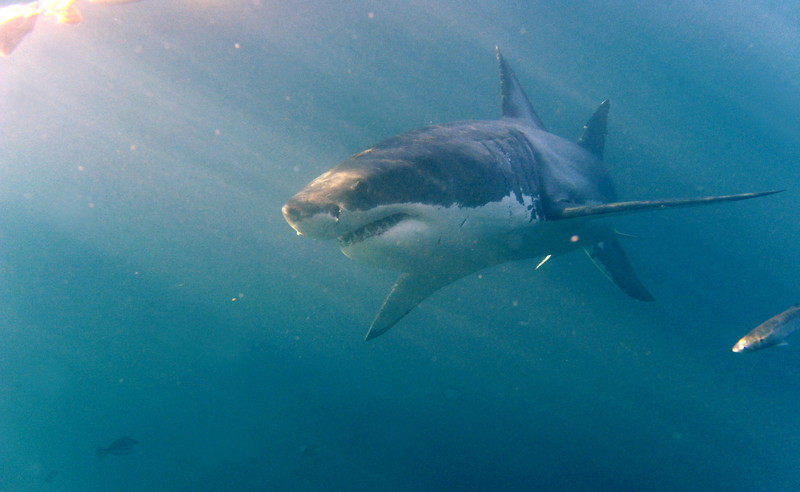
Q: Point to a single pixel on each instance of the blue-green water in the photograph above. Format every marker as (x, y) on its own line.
(144, 158)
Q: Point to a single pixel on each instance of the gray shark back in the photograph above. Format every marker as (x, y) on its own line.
(473, 163)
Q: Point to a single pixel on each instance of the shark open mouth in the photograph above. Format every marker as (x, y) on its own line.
(372, 229)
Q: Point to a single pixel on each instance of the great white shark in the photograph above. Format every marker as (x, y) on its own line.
(444, 201)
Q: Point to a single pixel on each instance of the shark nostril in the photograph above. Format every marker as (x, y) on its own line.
(291, 213)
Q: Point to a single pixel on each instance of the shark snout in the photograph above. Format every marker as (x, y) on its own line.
(316, 220)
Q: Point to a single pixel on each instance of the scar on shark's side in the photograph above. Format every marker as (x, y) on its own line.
(444, 201)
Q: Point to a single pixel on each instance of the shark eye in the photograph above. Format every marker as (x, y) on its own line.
(360, 186)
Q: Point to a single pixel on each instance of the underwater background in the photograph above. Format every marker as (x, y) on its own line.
(149, 286)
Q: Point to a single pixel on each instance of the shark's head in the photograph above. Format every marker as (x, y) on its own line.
(402, 204)
(372, 203)
(361, 191)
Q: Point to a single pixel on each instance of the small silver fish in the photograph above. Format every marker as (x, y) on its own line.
(120, 447)
(771, 332)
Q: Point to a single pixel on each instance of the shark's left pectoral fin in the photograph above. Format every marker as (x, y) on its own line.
(409, 290)
(611, 259)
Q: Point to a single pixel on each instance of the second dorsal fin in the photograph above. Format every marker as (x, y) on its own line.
(512, 98)
(593, 137)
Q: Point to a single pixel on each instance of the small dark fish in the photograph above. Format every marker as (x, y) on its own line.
(120, 447)
(771, 332)
(309, 450)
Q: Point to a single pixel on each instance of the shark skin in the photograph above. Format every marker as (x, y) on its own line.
(444, 201)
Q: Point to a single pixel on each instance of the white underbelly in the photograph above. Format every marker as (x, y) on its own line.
(460, 240)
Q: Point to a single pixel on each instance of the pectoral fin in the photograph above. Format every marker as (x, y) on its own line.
(611, 259)
(619, 208)
(409, 290)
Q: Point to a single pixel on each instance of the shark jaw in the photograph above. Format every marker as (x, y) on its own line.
(347, 227)
(379, 237)
(370, 230)
(452, 240)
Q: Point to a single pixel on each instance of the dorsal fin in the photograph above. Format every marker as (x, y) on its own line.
(512, 98)
(593, 137)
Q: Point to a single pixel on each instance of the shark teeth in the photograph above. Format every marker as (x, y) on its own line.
(372, 229)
